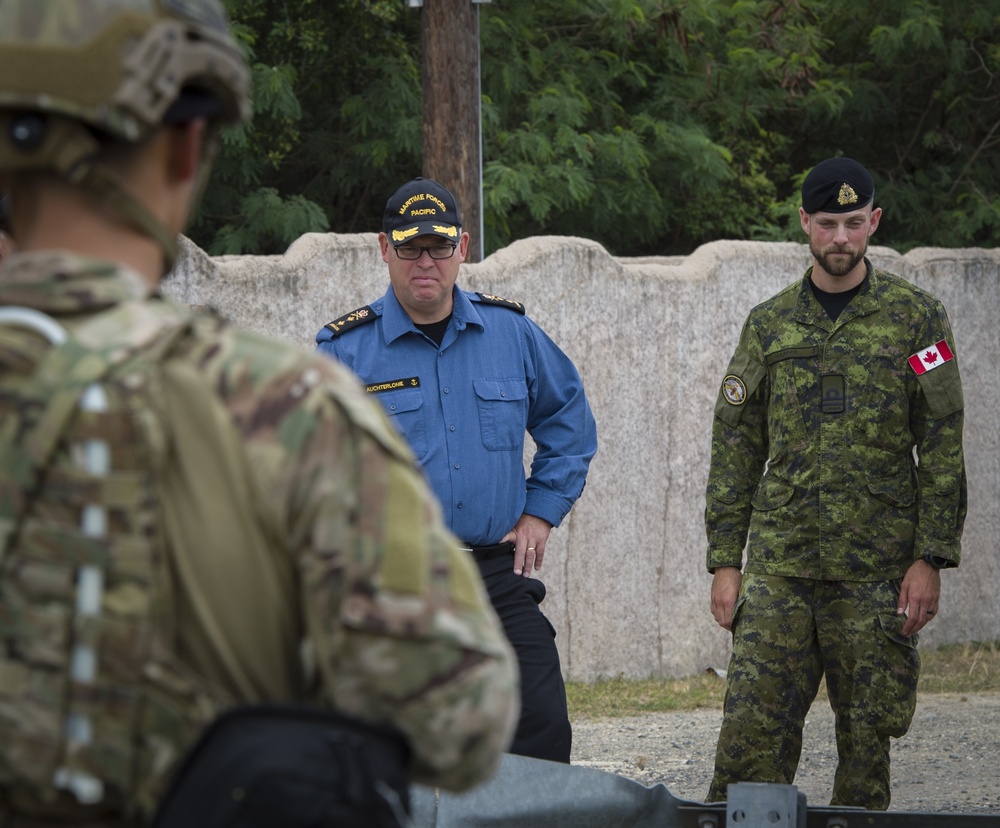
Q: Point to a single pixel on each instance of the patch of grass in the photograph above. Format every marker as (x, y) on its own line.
(973, 667)
(620, 696)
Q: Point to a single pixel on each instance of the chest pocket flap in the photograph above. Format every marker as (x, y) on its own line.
(503, 412)
(399, 402)
(406, 412)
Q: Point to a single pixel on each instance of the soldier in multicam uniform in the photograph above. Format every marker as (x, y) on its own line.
(191, 516)
(836, 381)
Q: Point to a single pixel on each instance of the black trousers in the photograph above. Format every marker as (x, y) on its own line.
(543, 731)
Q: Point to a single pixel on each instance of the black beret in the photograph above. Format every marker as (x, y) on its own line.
(837, 185)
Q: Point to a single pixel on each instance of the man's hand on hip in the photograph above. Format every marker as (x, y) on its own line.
(529, 536)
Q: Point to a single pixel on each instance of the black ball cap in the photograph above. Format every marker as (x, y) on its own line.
(837, 185)
(421, 207)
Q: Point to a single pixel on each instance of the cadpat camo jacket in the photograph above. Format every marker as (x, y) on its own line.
(837, 446)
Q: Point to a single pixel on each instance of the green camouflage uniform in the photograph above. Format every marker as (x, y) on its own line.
(813, 473)
(268, 538)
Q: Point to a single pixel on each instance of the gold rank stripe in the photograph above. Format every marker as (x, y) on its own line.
(351, 320)
(492, 299)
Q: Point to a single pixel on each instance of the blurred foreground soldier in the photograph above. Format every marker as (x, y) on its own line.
(464, 376)
(192, 518)
(6, 237)
(836, 381)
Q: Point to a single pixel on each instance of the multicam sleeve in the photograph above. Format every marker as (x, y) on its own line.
(937, 417)
(739, 449)
(398, 620)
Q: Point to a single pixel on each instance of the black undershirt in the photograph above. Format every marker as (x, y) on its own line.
(834, 303)
(435, 330)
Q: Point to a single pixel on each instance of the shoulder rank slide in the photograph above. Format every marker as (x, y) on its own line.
(351, 320)
(490, 299)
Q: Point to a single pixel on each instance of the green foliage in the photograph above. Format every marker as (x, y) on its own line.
(265, 214)
(923, 114)
(651, 126)
(337, 116)
(673, 101)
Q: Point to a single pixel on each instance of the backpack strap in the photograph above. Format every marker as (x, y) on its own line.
(67, 376)
(64, 380)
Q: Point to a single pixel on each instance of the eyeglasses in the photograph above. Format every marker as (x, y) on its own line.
(412, 252)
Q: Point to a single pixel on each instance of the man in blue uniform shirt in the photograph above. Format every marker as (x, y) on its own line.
(464, 375)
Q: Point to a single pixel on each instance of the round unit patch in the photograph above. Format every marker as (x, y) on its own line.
(734, 390)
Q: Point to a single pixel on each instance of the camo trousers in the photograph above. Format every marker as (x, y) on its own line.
(788, 633)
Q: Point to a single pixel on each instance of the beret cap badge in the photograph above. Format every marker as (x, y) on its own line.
(846, 195)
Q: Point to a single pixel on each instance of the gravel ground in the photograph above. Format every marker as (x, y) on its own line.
(949, 762)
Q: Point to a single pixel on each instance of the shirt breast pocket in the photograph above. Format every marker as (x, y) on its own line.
(503, 412)
(406, 411)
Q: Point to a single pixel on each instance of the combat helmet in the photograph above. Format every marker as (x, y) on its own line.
(78, 72)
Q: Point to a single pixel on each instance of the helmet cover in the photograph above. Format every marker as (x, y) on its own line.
(115, 65)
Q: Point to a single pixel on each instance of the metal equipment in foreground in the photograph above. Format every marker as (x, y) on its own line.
(532, 793)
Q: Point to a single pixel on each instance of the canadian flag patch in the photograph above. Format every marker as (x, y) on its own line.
(931, 357)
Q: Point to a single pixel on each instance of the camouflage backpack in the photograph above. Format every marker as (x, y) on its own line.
(91, 702)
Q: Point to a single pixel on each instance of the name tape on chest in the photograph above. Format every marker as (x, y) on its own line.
(393, 385)
(931, 357)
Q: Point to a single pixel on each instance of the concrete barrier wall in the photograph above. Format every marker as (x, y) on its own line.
(628, 590)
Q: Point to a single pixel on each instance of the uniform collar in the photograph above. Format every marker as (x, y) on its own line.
(57, 282)
(396, 322)
(866, 301)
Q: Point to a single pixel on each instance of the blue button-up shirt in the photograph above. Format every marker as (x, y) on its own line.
(464, 408)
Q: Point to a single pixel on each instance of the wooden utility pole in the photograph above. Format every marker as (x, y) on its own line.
(453, 148)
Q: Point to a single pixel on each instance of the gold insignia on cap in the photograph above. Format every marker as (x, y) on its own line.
(403, 235)
(446, 230)
(846, 195)
(734, 390)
